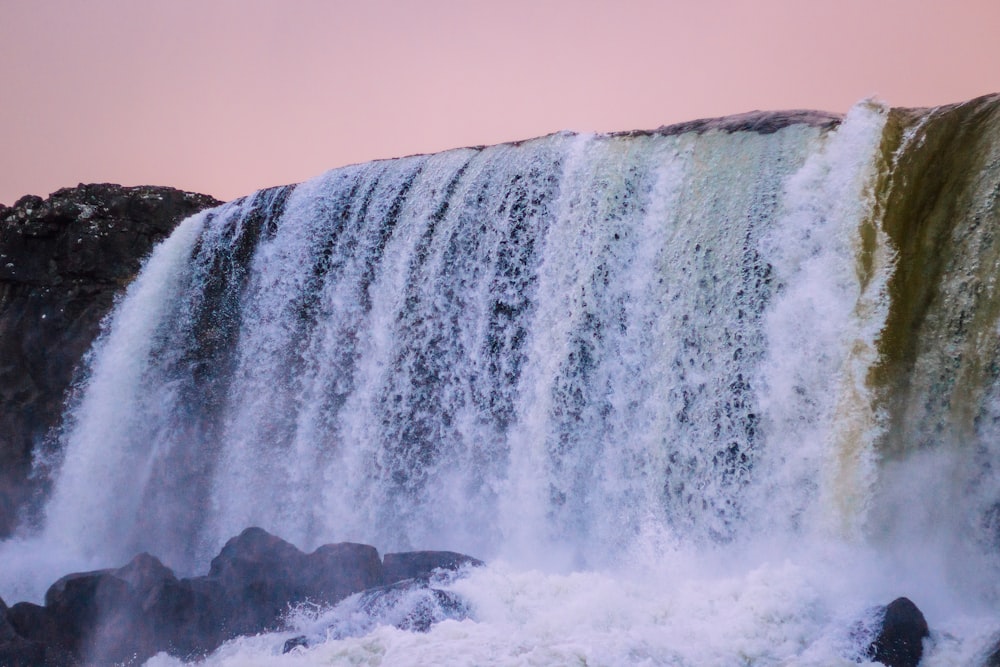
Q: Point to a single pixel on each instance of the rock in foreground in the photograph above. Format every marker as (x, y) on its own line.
(900, 640)
(127, 615)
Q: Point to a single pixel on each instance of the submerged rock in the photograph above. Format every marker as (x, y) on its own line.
(294, 643)
(412, 604)
(411, 564)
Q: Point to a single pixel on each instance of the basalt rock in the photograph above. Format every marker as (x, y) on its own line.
(62, 262)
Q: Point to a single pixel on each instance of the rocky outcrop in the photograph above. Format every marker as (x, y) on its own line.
(128, 614)
(62, 261)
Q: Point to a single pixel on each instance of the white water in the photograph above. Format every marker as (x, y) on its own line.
(631, 372)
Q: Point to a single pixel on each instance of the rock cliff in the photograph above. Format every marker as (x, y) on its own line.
(62, 262)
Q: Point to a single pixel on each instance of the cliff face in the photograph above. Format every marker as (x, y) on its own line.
(62, 261)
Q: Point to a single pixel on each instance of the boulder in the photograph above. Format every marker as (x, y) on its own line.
(100, 615)
(188, 616)
(36, 642)
(128, 614)
(35, 623)
(899, 642)
(334, 571)
(412, 564)
(257, 573)
(21, 652)
(62, 262)
(262, 576)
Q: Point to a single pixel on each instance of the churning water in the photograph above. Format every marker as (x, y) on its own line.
(701, 396)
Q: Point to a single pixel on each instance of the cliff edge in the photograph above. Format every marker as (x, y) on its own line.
(62, 261)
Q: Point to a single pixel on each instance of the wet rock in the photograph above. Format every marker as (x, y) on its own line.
(7, 631)
(993, 655)
(413, 605)
(262, 576)
(412, 564)
(128, 614)
(35, 623)
(62, 261)
(187, 615)
(21, 652)
(294, 643)
(36, 641)
(899, 642)
(100, 615)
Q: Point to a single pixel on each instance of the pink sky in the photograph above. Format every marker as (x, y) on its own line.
(226, 97)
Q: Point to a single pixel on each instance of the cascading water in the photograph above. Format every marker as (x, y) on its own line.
(725, 385)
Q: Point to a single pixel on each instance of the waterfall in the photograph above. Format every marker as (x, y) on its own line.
(569, 353)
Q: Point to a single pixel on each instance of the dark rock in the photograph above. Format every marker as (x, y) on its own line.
(334, 571)
(900, 640)
(62, 261)
(7, 631)
(35, 623)
(263, 576)
(21, 652)
(412, 604)
(100, 616)
(36, 640)
(127, 615)
(188, 616)
(411, 564)
(258, 573)
(294, 643)
(993, 657)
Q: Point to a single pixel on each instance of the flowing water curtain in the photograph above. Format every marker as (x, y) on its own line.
(833, 261)
(577, 340)
(547, 341)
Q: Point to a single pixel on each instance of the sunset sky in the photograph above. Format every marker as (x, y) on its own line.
(225, 97)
